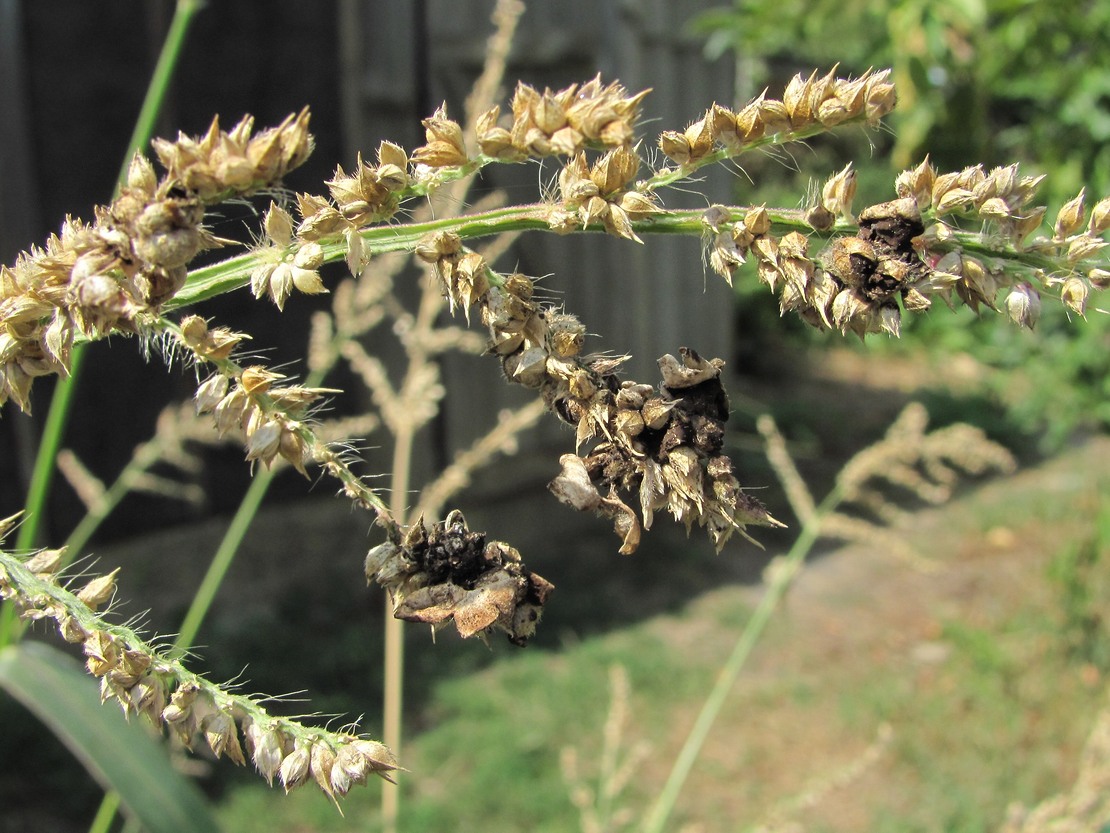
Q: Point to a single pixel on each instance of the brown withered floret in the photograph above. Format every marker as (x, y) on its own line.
(869, 268)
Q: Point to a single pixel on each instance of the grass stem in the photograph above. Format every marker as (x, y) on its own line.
(781, 580)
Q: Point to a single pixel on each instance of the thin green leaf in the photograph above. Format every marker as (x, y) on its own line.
(119, 755)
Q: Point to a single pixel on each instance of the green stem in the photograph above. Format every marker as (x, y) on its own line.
(234, 273)
(664, 805)
(48, 449)
(221, 561)
(160, 80)
(11, 628)
(145, 456)
(106, 814)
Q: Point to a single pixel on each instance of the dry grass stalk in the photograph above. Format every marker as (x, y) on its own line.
(597, 795)
(1086, 807)
(782, 818)
(916, 463)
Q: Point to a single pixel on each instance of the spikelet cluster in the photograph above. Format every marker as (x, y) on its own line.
(271, 416)
(223, 164)
(114, 274)
(601, 193)
(859, 283)
(146, 682)
(906, 252)
(816, 102)
(369, 194)
(997, 208)
(659, 447)
(449, 573)
(563, 122)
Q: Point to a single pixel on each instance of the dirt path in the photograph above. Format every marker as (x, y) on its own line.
(963, 671)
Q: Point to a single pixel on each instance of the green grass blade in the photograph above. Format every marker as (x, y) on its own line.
(119, 755)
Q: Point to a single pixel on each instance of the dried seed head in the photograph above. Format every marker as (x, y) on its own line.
(46, 562)
(102, 653)
(566, 334)
(839, 191)
(222, 736)
(851, 259)
(846, 306)
(1100, 217)
(438, 245)
(675, 146)
(723, 124)
(725, 255)
(221, 162)
(445, 147)
(796, 99)
(264, 441)
(210, 393)
(637, 205)
(880, 96)
(915, 301)
(99, 590)
(256, 379)
(774, 116)
(757, 220)
(379, 757)
(917, 183)
(1070, 218)
(890, 320)
(1083, 246)
(1099, 278)
(232, 410)
(493, 140)
(750, 125)
(294, 768)
(527, 367)
(820, 218)
(1023, 305)
(581, 384)
(978, 285)
(1074, 294)
(293, 449)
(267, 747)
(140, 175)
(319, 218)
(615, 170)
(954, 199)
(1025, 224)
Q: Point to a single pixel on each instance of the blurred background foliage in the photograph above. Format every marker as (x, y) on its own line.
(979, 81)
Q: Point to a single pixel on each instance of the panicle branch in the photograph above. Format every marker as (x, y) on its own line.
(151, 683)
(662, 446)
